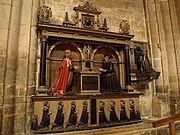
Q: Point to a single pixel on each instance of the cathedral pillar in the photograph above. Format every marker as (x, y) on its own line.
(26, 69)
(170, 46)
(175, 34)
(10, 25)
(154, 43)
(159, 88)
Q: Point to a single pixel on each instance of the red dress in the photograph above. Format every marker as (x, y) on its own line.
(60, 86)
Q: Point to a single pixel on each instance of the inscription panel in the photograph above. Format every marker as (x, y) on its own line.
(89, 82)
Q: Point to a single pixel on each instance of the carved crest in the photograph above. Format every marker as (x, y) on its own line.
(44, 14)
(87, 16)
(124, 27)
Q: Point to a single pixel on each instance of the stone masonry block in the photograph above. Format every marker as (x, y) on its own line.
(20, 108)
(1, 76)
(9, 90)
(19, 124)
(22, 67)
(9, 100)
(5, 2)
(156, 109)
(1, 89)
(8, 125)
(10, 76)
(25, 29)
(173, 79)
(159, 89)
(21, 91)
(21, 81)
(8, 110)
(5, 11)
(162, 131)
(165, 109)
(11, 64)
(31, 90)
(4, 23)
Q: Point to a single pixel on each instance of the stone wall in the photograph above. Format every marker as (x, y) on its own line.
(17, 64)
(122, 9)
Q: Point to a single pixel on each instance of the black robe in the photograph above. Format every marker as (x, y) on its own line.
(109, 82)
(138, 115)
(59, 120)
(102, 116)
(45, 118)
(132, 113)
(72, 117)
(84, 116)
(123, 115)
(145, 72)
(113, 116)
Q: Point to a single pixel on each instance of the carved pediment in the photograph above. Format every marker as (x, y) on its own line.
(87, 8)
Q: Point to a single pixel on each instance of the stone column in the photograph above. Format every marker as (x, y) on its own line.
(174, 12)
(155, 43)
(176, 34)
(26, 61)
(10, 25)
(158, 55)
(127, 66)
(42, 77)
(32, 69)
(42, 81)
(169, 42)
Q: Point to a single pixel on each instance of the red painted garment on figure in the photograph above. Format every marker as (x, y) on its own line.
(60, 86)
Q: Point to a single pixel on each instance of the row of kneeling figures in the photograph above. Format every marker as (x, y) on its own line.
(72, 121)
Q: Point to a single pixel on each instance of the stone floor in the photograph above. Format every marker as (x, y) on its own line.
(144, 128)
(120, 130)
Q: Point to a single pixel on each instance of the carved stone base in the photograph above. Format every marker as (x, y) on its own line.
(42, 91)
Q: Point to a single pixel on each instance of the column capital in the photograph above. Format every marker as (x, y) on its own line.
(44, 38)
(127, 46)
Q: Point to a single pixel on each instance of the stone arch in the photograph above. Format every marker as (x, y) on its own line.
(97, 57)
(55, 57)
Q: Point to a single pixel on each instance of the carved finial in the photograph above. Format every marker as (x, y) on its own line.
(124, 27)
(44, 14)
(67, 21)
(104, 27)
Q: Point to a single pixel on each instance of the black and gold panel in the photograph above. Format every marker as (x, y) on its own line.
(118, 110)
(84, 112)
(58, 115)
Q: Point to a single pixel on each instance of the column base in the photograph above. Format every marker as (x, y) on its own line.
(129, 88)
(42, 91)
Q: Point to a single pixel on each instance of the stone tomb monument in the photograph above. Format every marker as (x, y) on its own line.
(90, 100)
